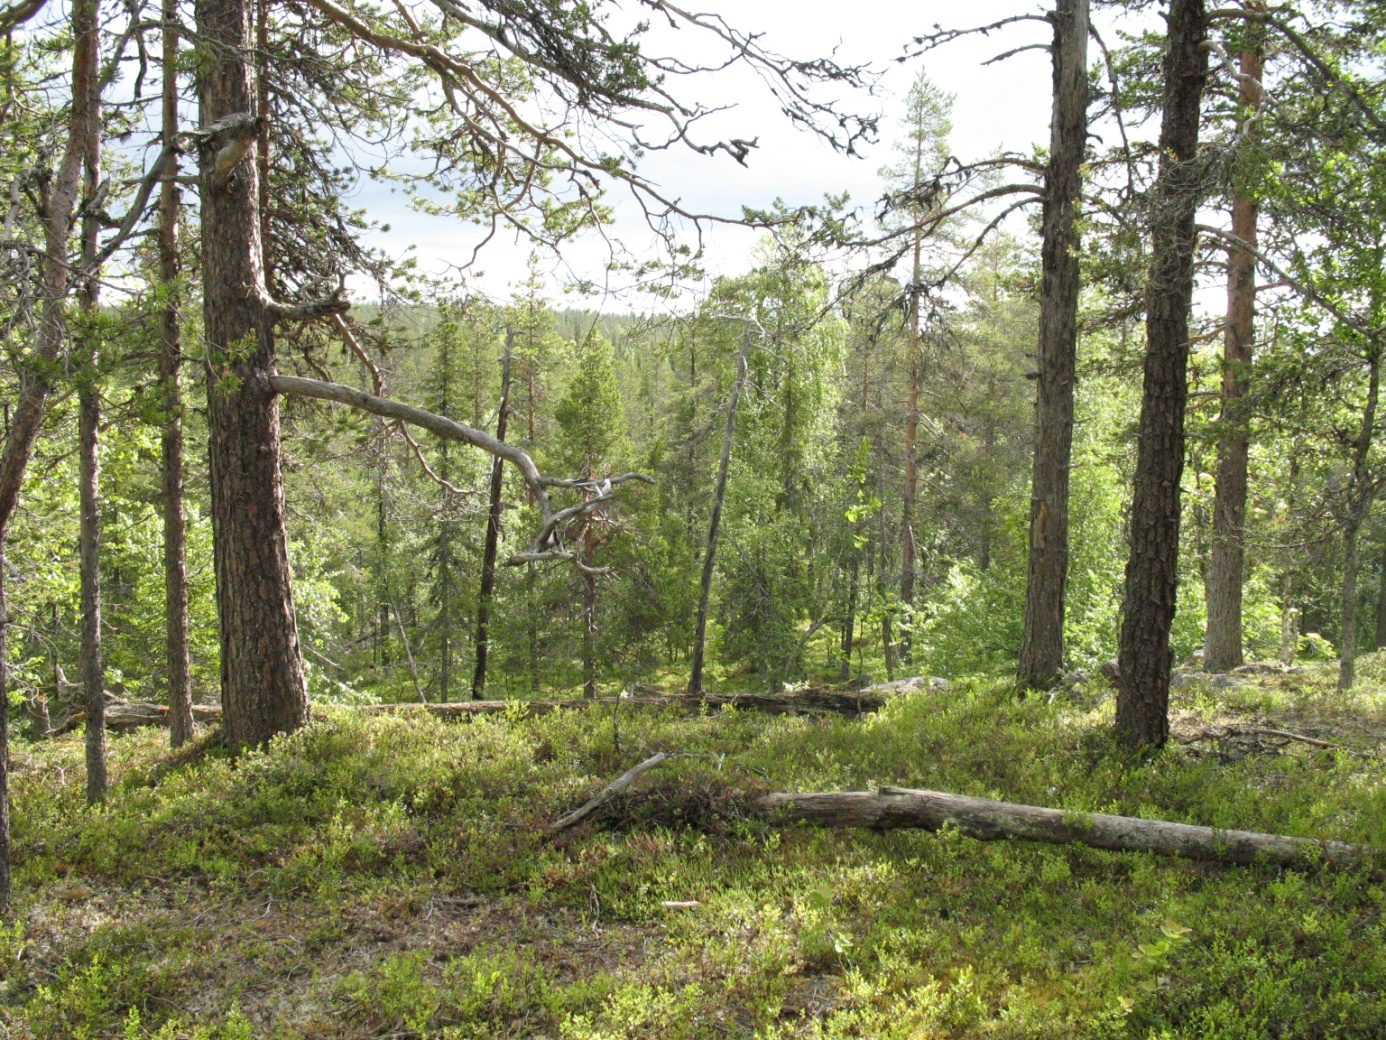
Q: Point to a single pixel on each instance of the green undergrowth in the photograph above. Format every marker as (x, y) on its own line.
(391, 877)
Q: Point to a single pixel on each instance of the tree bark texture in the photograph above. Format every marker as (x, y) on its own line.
(93, 671)
(988, 820)
(1042, 643)
(493, 530)
(262, 682)
(1152, 569)
(93, 674)
(719, 497)
(170, 370)
(1222, 647)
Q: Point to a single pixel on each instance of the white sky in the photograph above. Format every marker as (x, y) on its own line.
(998, 106)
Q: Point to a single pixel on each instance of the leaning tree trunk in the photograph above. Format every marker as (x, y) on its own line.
(180, 728)
(262, 684)
(1042, 644)
(493, 530)
(1222, 648)
(1152, 571)
(695, 672)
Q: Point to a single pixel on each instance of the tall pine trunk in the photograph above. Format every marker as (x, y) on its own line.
(262, 683)
(493, 530)
(180, 719)
(1222, 648)
(1042, 642)
(1152, 571)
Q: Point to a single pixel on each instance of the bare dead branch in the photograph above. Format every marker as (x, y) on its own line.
(607, 793)
(548, 542)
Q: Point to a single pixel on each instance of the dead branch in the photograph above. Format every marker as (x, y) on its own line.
(548, 543)
(607, 793)
(1255, 731)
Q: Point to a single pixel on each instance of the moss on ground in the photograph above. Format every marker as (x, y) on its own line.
(390, 877)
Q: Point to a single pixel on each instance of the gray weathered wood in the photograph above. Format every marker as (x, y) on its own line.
(988, 820)
(607, 793)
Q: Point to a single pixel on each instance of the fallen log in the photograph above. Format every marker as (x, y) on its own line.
(134, 714)
(988, 820)
(800, 702)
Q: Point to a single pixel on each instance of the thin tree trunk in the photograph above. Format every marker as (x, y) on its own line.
(34, 378)
(409, 656)
(180, 728)
(493, 530)
(382, 546)
(719, 495)
(262, 682)
(849, 623)
(1222, 647)
(93, 674)
(1363, 493)
(532, 627)
(89, 466)
(1381, 604)
(988, 500)
(1152, 572)
(6, 884)
(1352, 560)
(589, 619)
(1042, 642)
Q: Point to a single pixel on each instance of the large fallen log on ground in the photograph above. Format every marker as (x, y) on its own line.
(123, 716)
(801, 702)
(988, 820)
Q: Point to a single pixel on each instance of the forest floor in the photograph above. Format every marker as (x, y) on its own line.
(392, 877)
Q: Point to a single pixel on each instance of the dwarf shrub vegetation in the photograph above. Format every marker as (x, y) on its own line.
(390, 877)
